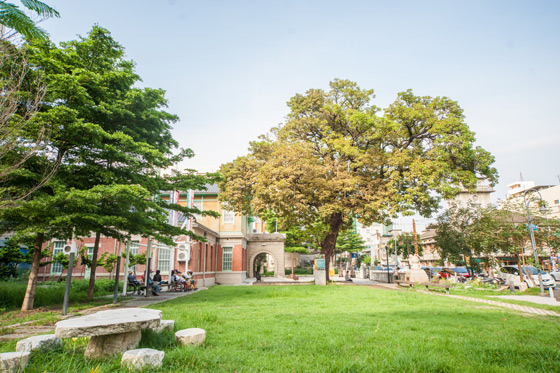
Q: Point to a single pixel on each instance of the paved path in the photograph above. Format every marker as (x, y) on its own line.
(516, 307)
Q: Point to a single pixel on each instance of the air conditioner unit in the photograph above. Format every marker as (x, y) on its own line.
(182, 256)
(182, 247)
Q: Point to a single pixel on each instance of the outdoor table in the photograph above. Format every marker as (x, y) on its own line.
(112, 331)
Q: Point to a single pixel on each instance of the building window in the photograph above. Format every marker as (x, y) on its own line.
(58, 247)
(164, 255)
(133, 251)
(198, 204)
(227, 217)
(227, 258)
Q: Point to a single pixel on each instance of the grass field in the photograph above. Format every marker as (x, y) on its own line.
(336, 329)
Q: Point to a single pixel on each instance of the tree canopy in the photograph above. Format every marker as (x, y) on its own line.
(111, 138)
(338, 156)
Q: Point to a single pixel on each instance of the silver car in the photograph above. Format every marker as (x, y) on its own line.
(510, 274)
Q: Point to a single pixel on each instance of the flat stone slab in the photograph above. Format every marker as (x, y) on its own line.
(143, 357)
(11, 362)
(191, 336)
(164, 325)
(108, 322)
(39, 342)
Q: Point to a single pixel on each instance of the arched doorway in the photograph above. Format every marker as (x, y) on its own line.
(259, 260)
(261, 264)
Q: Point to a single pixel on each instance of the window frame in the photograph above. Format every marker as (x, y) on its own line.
(57, 250)
(227, 258)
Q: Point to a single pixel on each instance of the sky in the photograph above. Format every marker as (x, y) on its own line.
(229, 67)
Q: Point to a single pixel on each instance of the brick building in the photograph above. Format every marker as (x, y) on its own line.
(232, 243)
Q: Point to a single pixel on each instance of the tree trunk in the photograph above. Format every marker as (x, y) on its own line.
(93, 266)
(33, 275)
(329, 243)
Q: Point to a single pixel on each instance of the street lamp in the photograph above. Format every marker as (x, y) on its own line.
(542, 209)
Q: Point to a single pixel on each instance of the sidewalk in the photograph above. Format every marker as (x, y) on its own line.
(511, 306)
(531, 298)
(142, 301)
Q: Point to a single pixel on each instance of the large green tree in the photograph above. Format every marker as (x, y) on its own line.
(112, 139)
(337, 156)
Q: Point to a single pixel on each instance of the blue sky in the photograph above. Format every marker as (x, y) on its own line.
(230, 66)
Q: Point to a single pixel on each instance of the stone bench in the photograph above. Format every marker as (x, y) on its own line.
(431, 284)
(191, 336)
(165, 325)
(11, 362)
(39, 342)
(404, 283)
(141, 358)
(112, 331)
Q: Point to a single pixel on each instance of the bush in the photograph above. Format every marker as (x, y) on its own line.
(50, 293)
(299, 271)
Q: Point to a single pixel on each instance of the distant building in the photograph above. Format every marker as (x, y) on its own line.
(375, 237)
(549, 193)
(479, 198)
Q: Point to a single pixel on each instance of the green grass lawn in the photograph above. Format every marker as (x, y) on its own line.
(337, 329)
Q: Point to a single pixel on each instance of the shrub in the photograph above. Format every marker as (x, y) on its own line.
(50, 293)
(299, 271)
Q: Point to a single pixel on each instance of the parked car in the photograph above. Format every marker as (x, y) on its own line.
(555, 275)
(510, 274)
(462, 271)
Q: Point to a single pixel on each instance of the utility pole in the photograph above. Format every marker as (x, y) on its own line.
(126, 261)
(116, 292)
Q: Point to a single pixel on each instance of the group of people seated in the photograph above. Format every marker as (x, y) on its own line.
(154, 281)
(186, 280)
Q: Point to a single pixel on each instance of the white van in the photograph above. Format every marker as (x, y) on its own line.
(510, 274)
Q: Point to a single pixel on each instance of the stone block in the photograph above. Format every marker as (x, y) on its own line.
(417, 276)
(11, 362)
(104, 345)
(141, 358)
(165, 325)
(320, 277)
(39, 342)
(191, 336)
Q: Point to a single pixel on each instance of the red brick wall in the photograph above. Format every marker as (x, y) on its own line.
(237, 264)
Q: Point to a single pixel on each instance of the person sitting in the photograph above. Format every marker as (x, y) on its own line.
(179, 279)
(132, 279)
(155, 287)
(158, 280)
(157, 277)
(192, 281)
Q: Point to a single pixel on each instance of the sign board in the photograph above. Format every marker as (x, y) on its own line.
(331, 273)
(320, 264)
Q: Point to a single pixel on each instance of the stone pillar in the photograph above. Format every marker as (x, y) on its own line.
(320, 277)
